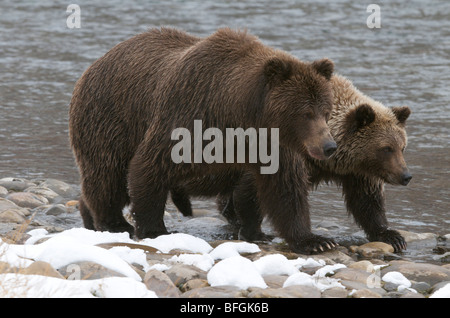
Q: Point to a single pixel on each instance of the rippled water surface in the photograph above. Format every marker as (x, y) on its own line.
(405, 62)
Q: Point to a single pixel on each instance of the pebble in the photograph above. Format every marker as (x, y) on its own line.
(370, 272)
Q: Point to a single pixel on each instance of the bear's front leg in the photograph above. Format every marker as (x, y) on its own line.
(365, 200)
(283, 197)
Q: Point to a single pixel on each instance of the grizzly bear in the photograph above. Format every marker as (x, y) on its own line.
(128, 103)
(371, 139)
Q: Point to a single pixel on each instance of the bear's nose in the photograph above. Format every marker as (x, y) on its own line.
(329, 148)
(406, 178)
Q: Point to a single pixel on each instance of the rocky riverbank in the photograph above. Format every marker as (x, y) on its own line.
(43, 242)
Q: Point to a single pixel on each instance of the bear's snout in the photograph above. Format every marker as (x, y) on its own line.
(329, 148)
(406, 177)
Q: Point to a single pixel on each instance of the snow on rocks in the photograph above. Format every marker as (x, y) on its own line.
(181, 265)
(70, 261)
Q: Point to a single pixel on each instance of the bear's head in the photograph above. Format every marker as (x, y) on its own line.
(299, 102)
(377, 140)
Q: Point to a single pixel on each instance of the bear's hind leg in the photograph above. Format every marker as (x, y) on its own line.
(149, 189)
(86, 215)
(181, 200)
(244, 201)
(102, 204)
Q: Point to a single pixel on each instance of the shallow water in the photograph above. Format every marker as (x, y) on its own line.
(405, 62)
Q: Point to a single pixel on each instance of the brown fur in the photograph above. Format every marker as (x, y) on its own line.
(371, 139)
(125, 106)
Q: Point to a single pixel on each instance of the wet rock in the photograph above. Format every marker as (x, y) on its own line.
(61, 188)
(411, 236)
(12, 216)
(438, 286)
(15, 184)
(87, 271)
(362, 265)
(296, 291)
(350, 240)
(215, 292)
(193, 284)
(27, 199)
(372, 249)
(335, 292)
(409, 294)
(421, 287)
(47, 193)
(336, 256)
(55, 210)
(275, 281)
(161, 284)
(6, 204)
(354, 275)
(180, 274)
(365, 293)
(419, 272)
(72, 206)
(3, 192)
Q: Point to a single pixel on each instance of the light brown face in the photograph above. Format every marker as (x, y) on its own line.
(389, 155)
(380, 141)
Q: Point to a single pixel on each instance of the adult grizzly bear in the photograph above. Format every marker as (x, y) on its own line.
(126, 105)
(371, 139)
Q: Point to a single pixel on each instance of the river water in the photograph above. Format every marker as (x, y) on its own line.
(404, 62)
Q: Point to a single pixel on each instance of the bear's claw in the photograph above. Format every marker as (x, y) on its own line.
(313, 244)
(393, 238)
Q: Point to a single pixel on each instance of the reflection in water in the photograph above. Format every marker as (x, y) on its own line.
(406, 61)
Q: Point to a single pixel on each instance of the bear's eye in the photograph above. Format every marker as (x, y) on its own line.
(327, 117)
(309, 115)
(388, 149)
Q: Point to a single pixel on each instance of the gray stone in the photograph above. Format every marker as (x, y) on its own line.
(12, 216)
(87, 271)
(15, 184)
(3, 192)
(216, 292)
(355, 275)
(181, 273)
(161, 284)
(419, 272)
(421, 287)
(49, 194)
(275, 281)
(193, 284)
(296, 291)
(335, 292)
(56, 210)
(27, 199)
(63, 189)
(365, 293)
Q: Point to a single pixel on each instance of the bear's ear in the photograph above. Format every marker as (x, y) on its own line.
(402, 113)
(324, 67)
(276, 70)
(361, 116)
